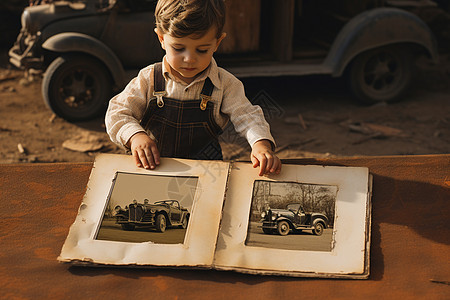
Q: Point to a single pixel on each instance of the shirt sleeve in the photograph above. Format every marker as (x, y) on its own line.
(248, 119)
(126, 109)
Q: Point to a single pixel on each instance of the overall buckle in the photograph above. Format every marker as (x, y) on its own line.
(205, 100)
(159, 98)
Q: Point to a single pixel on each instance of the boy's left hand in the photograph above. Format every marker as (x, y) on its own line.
(263, 156)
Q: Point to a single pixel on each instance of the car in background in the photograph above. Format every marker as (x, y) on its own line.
(88, 50)
(293, 218)
(159, 215)
(85, 48)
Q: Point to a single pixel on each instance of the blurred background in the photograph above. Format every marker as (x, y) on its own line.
(312, 114)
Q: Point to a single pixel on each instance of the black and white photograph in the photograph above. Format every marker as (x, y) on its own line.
(292, 216)
(309, 220)
(148, 208)
(133, 216)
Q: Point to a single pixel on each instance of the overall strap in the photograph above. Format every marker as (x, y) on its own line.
(160, 87)
(206, 93)
(159, 84)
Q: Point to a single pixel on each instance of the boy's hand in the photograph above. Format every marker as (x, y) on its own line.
(263, 156)
(144, 150)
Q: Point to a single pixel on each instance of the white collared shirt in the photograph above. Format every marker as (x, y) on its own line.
(230, 103)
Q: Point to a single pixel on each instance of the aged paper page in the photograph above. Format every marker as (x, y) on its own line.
(189, 193)
(342, 245)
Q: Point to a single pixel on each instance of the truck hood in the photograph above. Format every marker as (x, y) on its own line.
(35, 18)
(282, 212)
(286, 213)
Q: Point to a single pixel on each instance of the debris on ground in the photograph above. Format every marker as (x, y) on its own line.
(21, 149)
(5, 129)
(7, 76)
(374, 129)
(8, 89)
(84, 142)
(295, 145)
(52, 118)
(297, 120)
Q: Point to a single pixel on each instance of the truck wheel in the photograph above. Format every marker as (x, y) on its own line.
(381, 75)
(283, 228)
(184, 223)
(76, 87)
(161, 223)
(128, 227)
(318, 229)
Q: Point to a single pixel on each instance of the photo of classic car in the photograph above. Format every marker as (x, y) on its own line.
(159, 215)
(282, 221)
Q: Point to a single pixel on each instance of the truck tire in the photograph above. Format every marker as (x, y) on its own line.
(184, 223)
(381, 75)
(77, 87)
(161, 223)
(318, 228)
(283, 228)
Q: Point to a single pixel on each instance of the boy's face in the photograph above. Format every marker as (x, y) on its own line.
(188, 56)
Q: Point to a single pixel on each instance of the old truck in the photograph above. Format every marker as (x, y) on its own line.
(159, 215)
(88, 50)
(293, 218)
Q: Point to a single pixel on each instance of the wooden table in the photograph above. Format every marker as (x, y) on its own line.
(410, 255)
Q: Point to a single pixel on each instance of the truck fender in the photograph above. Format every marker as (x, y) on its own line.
(319, 220)
(78, 42)
(284, 219)
(375, 28)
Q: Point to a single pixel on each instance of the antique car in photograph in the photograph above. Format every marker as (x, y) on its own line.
(87, 50)
(294, 218)
(159, 215)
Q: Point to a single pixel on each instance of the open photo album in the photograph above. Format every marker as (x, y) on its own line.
(309, 220)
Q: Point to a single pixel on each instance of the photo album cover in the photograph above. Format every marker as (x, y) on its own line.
(309, 220)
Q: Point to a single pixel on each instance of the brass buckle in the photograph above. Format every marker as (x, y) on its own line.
(159, 98)
(205, 100)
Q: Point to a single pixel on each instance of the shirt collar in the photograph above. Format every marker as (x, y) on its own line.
(212, 71)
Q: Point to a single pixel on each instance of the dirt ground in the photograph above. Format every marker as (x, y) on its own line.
(312, 116)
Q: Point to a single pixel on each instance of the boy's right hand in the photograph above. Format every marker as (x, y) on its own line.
(144, 150)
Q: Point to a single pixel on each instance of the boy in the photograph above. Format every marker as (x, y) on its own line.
(178, 108)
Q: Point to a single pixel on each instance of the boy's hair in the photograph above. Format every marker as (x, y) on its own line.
(180, 18)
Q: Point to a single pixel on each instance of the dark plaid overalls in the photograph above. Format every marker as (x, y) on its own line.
(183, 129)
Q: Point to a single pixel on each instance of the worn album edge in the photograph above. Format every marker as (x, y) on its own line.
(64, 259)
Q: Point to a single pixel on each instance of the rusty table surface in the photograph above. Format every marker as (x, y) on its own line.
(410, 254)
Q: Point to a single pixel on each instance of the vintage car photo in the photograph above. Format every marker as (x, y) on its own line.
(292, 215)
(294, 218)
(148, 208)
(159, 215)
